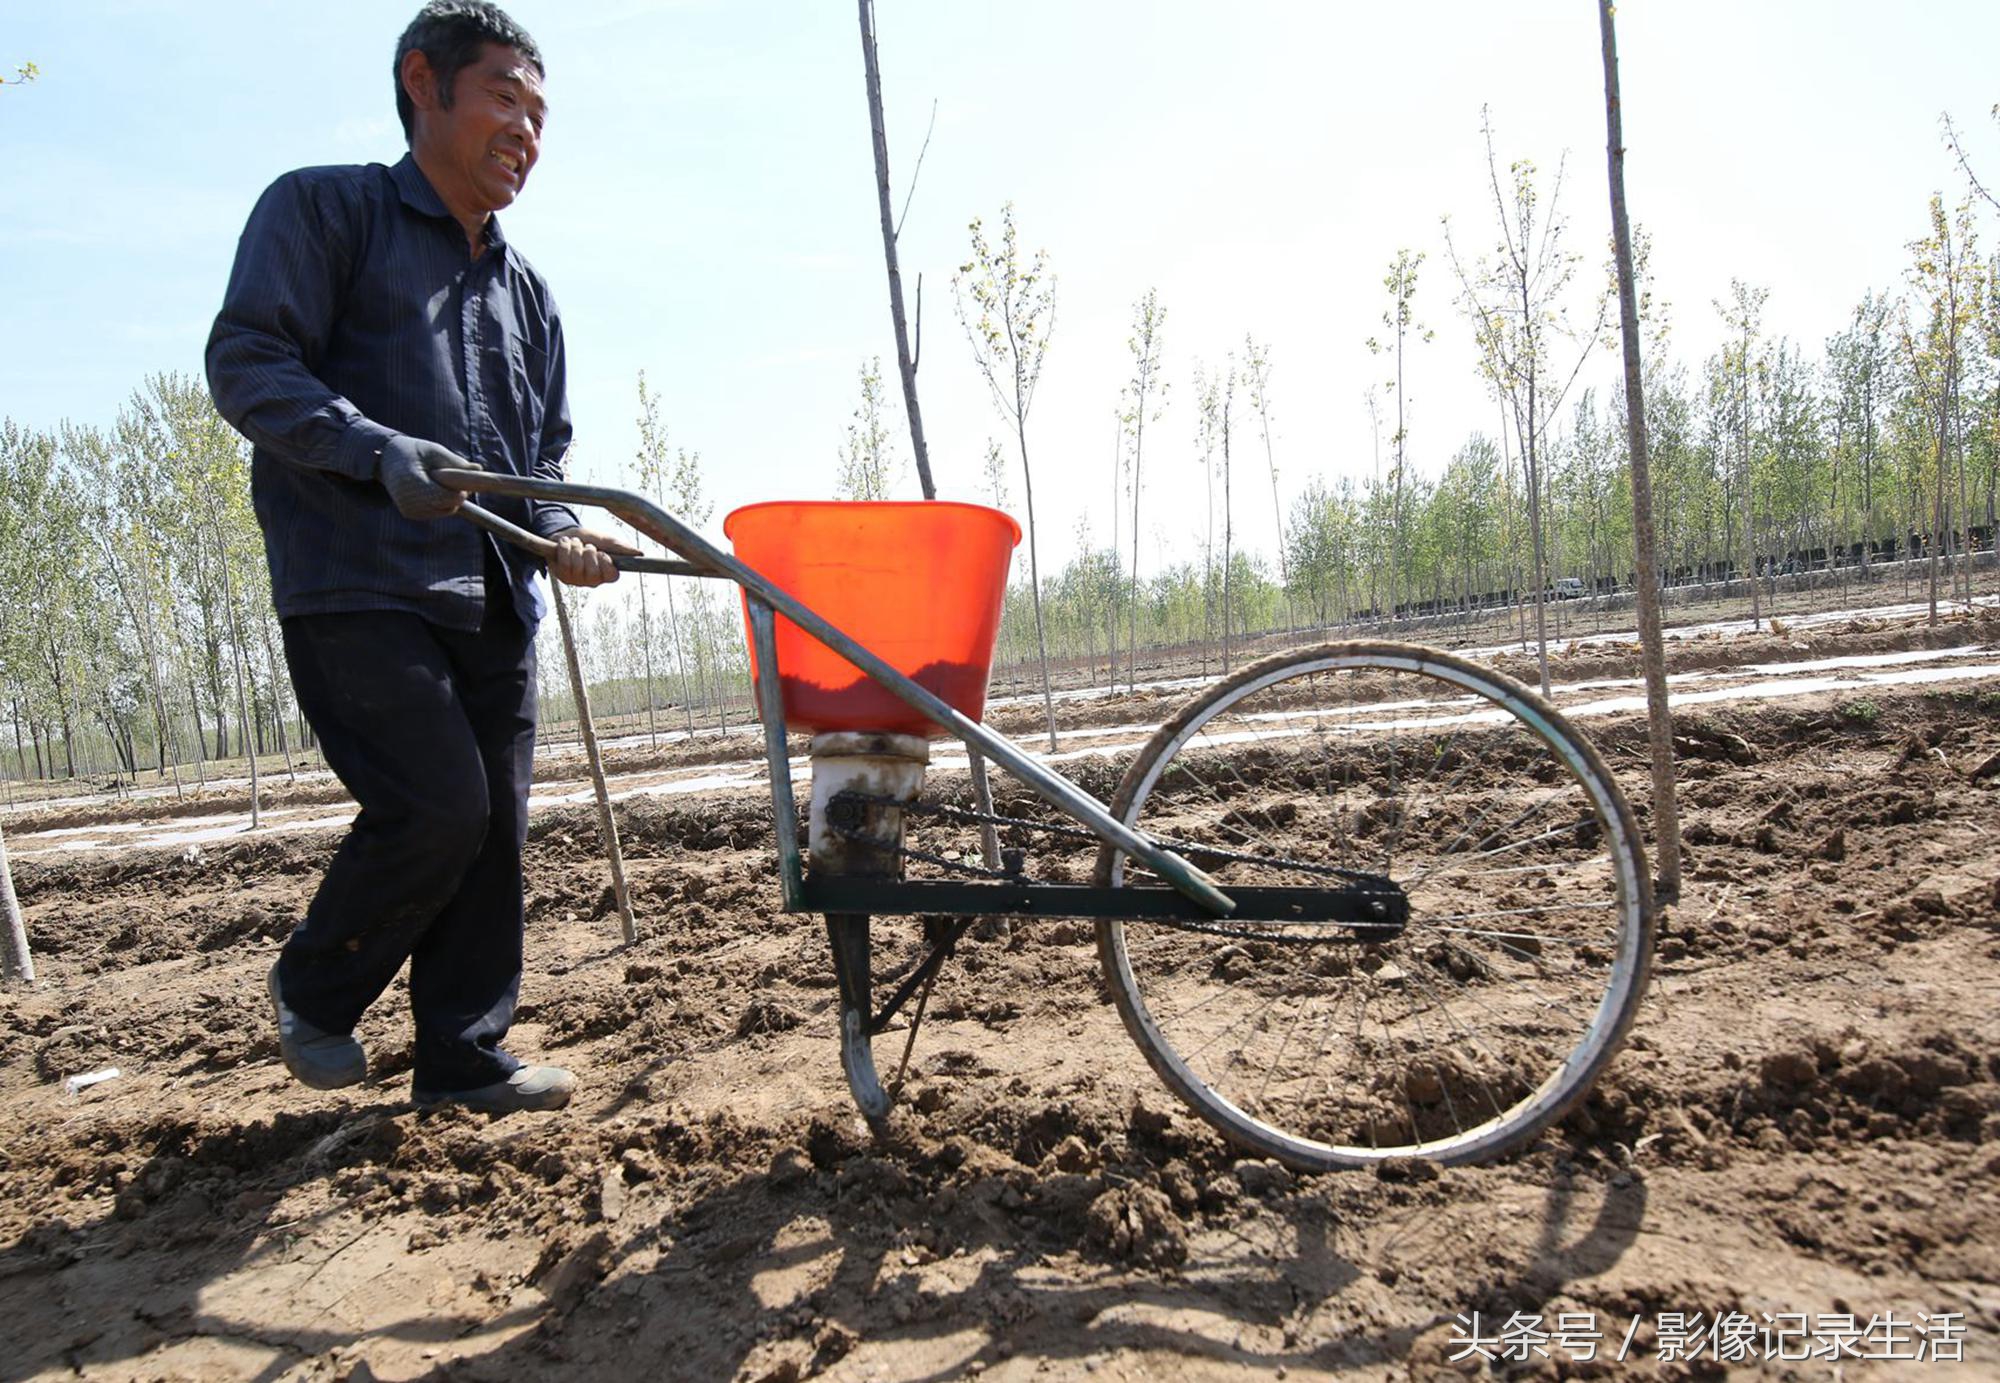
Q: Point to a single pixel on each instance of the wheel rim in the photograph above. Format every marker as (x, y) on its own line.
(1525, 952)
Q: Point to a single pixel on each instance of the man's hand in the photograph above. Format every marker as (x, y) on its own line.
(405, 469)
(583, 557)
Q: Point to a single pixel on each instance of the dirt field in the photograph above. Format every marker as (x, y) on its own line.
(1807, 1118)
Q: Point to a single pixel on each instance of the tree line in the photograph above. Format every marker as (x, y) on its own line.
(1771, 456)
(137, 632)
(136, 627)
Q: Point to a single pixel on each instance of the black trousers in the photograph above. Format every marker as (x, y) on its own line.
(433, 731)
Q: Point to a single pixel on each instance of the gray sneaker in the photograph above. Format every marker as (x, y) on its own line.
(323, 1060)
(531, 1087)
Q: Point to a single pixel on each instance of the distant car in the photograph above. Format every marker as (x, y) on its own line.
(1568, 588)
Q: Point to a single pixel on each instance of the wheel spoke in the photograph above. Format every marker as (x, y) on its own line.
(1458, 1034)
(1441, 872)
(1464, 835)
(1538, 910)
(1471, 1035)
(1534, 868)
(1523, 936)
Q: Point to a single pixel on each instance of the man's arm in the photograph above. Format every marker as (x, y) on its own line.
(284, 291)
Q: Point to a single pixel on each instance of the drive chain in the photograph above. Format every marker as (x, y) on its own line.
(948, 812)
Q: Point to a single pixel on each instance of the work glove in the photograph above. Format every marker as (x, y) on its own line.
(405, 469)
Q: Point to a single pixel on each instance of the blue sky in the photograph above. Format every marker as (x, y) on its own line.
(704, 208)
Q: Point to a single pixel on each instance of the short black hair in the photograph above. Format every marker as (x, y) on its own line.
(450, 33)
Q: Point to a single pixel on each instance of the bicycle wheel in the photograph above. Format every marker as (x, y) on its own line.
(1457, 1034)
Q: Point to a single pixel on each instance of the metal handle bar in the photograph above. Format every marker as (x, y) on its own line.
(546, 549)
(705, 559)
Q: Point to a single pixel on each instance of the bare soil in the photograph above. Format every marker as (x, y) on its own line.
(1806, 1119)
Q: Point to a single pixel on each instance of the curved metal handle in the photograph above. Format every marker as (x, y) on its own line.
(705, 559)
(472, 482)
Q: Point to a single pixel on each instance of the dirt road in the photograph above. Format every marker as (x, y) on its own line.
(1806, 1120)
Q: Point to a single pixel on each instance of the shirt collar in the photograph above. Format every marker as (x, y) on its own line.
(418, 194)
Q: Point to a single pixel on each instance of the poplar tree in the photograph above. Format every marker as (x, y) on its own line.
(1948, 280)
(668, 481)
(1858, 368)
(1400, 318)
(1743, 315)
(1007, 305)
(1257, 374)
(1515, 299)
(866, 464)
(1228, 407)
(1144, 399)
(1207, 438)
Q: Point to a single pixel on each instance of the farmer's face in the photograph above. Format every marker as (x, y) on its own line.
(478, 151)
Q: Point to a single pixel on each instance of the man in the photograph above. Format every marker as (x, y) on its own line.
(378, 327)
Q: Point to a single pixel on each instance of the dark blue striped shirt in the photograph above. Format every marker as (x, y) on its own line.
(356, 311)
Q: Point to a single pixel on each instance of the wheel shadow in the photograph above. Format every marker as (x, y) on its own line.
(759, 1280)
(850, 1262)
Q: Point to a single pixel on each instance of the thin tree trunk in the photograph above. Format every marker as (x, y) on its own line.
(1132, 614)
(1967, 550)
(646, 646)
(62, 706)
(1396, 504)
(906, 362)
(606, 822)
(1539, 577)
(1208, 564)
(711, 657)
(1117, 456)
(1227, 533)
(277, 703)
(194, 714)
(15, 961)
(1937, 504)
(121, 744)
(680, 657)
(142, 628)
(1749, 506)
(1278, 520)
(1666, 814)
(1510, 539)
(1035, 582)
(242, 697)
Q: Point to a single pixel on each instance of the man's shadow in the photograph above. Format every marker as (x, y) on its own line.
(197, 1212)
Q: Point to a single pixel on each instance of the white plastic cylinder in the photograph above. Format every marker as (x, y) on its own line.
(888, 769)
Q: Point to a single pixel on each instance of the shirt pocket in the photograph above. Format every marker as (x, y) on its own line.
(528, 381)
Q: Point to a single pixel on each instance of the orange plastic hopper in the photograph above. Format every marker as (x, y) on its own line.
(918, 583)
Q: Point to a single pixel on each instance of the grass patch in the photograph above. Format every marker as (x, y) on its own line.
(1858, 712)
